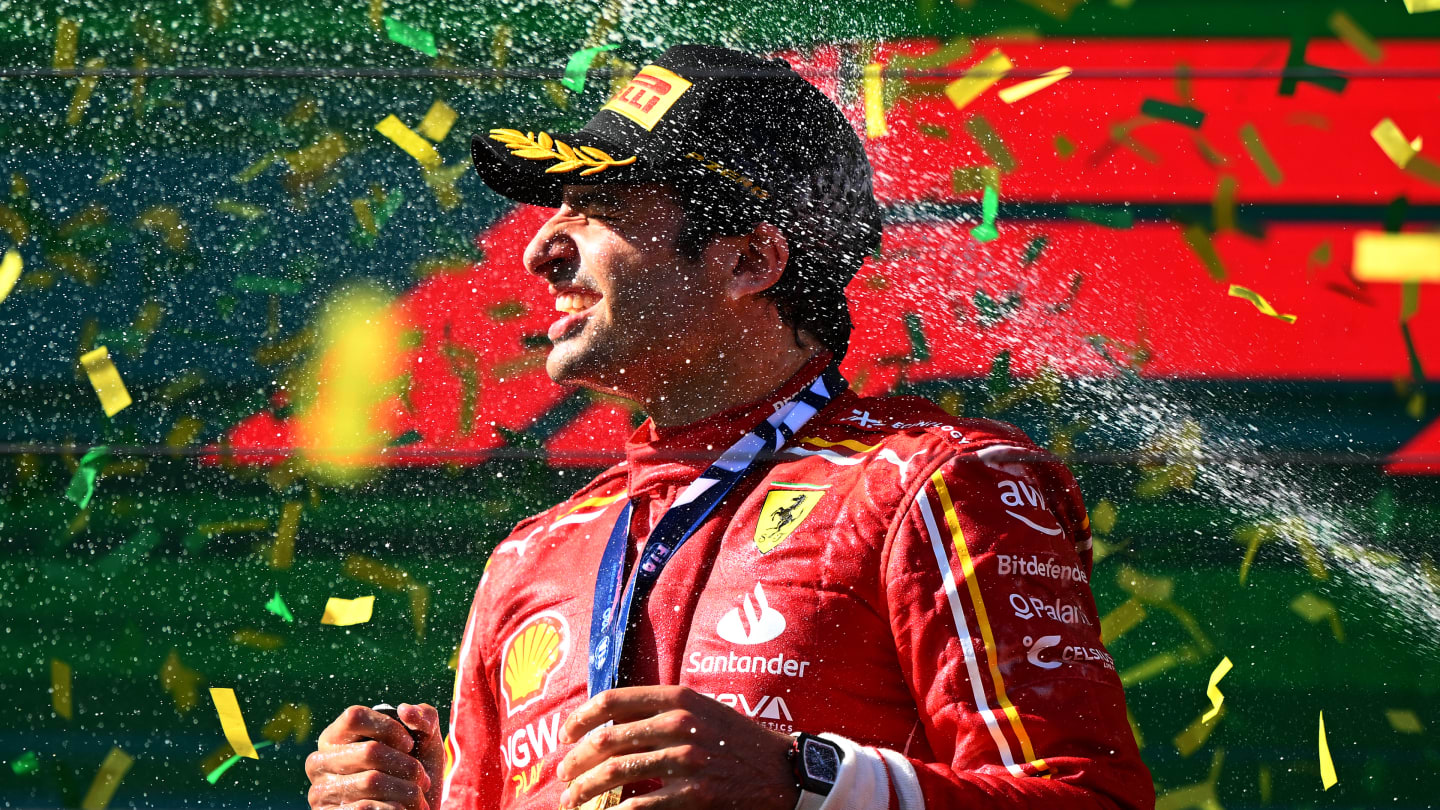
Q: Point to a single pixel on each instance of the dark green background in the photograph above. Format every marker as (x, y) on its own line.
(115, 623)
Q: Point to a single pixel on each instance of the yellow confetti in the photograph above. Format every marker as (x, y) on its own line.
(1327, 765)
(344, 612)
(1015, 92)
(1135, 730)
(10, 268)
(1314, 609)
(376, 573)
(1103, 517)
(1199, 796)
(232, 722)
(442, 183)
(181, 682)
(1156, 665)
(1222, 208)
(437, 121)
(1348, 30)
(1203, 244)
(166, 221)
(60, 692)
(1418, 6)
(67, 36)
(1213, 690)
(1143, 586)
(1121, 620)
(1381, 256)
(257, 639)
(1403, 153)
(81, 100)
(107, 779)
(874, 101)
(405, 138)
(185, 430)
(978, 79)
(1404, 721)
(1259, 302)
(1189, 741)
(292, 720)
(282, 552)
(419, 608)
(364, 216)
(1255, 147)
(105, 378)
(314, 160)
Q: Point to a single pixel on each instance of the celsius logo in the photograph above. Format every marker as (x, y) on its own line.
(757, 626)
(1037, 646)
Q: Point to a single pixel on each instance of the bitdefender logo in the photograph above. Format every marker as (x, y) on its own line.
(760, 623)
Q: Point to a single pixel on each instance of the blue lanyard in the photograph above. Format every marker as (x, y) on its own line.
(610, 615)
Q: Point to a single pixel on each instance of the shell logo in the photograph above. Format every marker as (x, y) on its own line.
(531, 655)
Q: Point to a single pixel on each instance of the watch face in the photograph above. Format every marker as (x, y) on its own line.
(822, 761)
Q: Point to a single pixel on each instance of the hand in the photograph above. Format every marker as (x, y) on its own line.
(705, 754)
(367, 761)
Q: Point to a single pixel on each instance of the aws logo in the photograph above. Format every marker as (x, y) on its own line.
(1020, 494)
(530, 657)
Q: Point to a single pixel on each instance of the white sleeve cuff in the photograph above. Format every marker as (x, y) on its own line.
(864, 780)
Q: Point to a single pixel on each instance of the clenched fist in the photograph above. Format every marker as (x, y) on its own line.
(367, 761)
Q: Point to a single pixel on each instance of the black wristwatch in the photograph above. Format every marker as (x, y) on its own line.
(816, 764)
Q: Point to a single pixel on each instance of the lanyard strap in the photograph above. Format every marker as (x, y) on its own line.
(611, 612)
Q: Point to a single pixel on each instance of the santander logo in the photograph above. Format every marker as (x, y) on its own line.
(756, 626)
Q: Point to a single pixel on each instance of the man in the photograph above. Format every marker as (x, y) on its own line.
(904, 590)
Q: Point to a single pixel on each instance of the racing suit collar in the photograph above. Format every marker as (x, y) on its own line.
(659, 457)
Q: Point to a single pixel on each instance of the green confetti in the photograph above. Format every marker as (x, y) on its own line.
(933, 131)
(26, 763)
(265, 284)
(989, 206)
(579, 65)
(998, 380)
(1416, 370)
(1395, 214)
(411, 37)
(1329, 79)
(919, 348)
(992, 310)
(1109, 217)
(276, 605)
(215, 775)
(990, 142)
(1033, 250)
(974, 178)
(1188, 116)
(408, 437)
(82, 484)
(130, 552)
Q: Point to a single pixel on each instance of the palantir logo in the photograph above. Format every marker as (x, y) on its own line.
(756, 627)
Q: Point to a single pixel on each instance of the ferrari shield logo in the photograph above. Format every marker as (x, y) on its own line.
(781, 515)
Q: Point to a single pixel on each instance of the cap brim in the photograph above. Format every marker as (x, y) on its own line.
(522, 168)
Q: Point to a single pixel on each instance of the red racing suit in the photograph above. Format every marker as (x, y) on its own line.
(912, 583)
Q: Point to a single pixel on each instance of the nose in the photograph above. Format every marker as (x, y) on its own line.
(552, 253)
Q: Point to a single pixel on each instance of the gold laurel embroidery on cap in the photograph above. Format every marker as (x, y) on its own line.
(530, 146)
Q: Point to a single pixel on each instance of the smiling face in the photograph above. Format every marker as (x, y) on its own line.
(633, 309)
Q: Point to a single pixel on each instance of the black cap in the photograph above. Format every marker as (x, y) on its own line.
(745, 134)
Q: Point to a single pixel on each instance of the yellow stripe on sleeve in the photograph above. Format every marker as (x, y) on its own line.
(967, 572)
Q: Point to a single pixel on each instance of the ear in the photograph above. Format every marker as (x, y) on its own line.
(762, 261)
